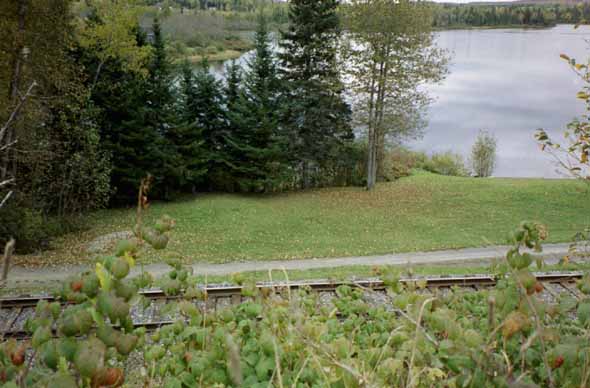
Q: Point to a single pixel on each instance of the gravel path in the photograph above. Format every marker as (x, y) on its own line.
(456, 256)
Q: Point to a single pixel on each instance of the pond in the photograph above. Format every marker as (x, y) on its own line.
(509, 82)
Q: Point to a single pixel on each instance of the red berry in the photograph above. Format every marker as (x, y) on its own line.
(557, 362)
(77, 285)
(18, 357)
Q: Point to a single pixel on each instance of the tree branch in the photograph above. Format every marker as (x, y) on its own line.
(8, 145)
(6, 182)
(6, 198)
(16, 110)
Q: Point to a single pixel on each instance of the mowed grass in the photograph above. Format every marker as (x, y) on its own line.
(419, 213)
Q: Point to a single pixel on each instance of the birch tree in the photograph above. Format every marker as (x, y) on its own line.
(389, 54)
(110, 32)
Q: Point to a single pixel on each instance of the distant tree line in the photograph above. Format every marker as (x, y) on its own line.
(446, 15)
(277, 11)
(453, 15)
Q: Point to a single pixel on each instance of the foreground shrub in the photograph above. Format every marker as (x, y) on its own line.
(503, 337)
(95, 331)
(483, 155)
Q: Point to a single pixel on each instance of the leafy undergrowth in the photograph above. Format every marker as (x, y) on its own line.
(418, 213)
(504, 337)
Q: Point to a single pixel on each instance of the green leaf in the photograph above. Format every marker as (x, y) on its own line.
(103, 276)
(584, 312)
(172, 382)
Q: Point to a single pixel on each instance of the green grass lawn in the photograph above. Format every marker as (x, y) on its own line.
(419, 213)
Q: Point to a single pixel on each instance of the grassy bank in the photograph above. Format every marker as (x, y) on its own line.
(194, 35)
(418, 213)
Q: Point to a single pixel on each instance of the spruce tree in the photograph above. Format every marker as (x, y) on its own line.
(120, 97)
(205, 107)
(233, 87)
(257, 152)
(160, 113)
(137, 114)
(313, 110)
(187, 137)
(160, 80)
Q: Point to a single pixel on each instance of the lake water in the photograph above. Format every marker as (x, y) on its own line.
(508, 82)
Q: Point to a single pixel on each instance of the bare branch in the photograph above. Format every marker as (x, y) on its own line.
(7, 146)
(16, 110)
(6, 198)
(6, 182)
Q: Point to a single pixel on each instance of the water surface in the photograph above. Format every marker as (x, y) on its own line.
(508, 82)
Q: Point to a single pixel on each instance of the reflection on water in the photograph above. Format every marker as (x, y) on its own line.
(509, 82)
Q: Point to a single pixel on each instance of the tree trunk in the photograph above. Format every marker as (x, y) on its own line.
(371, 162)
(380, 136)
(381, 173)
(8, 162)
(377, 132)
(371, 157)
(96, 75)
(305, 175)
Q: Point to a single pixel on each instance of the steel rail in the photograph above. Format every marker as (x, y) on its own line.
(234, 293)
(319, 286)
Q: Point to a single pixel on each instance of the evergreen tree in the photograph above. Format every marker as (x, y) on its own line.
(205, 108)
(233, 89)
(254, 141)
(136, 117)
(314, 112)
(160, 80)
(187, 137)
(160, 113)
(137, 145)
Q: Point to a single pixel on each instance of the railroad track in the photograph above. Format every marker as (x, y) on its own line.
(14, 311)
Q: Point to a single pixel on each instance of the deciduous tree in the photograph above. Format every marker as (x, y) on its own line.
(389, 54)
(110, 32)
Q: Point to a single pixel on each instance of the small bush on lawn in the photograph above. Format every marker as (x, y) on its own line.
(447, 163)
(483, 155)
